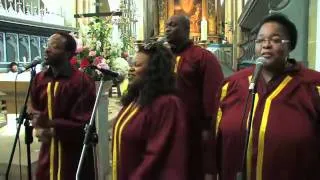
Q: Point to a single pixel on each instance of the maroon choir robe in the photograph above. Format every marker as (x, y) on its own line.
(151, 142)
(68, 100)
(199, 79)
(284, 139)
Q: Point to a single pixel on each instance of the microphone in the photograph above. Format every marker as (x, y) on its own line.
(162, 40)
(106, 72)
(257, 71)
(37, 60)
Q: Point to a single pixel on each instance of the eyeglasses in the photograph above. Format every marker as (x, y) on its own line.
(274, 41)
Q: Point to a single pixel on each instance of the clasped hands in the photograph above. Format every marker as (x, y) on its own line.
(43, 126)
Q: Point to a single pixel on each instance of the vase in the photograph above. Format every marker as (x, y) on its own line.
(102, 126)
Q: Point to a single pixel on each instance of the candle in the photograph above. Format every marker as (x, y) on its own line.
(204, 29)
(140, 33)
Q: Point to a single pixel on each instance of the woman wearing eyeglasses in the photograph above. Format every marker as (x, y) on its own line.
(150, 134)
(285, 133)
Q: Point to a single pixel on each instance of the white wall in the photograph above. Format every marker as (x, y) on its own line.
(318, 39)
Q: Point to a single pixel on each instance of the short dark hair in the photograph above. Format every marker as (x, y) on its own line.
(159, 78)
(12, 64)
(70, 44)
(185, 21)
(280, 18)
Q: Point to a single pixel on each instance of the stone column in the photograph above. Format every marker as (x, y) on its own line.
(163, 15)
(155, 15)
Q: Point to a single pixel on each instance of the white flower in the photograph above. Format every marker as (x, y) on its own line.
(98, 44)
(121, 66)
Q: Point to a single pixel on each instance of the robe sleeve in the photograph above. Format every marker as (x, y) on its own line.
(72, 130)
(166, 146)
(216, 152)
(212, 79)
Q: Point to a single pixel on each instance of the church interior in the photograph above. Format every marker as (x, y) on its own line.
(227, 28)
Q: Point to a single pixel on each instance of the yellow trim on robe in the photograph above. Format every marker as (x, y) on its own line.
(249, 152)
(176, 66)
(318, 88)
(56, 85)
(52, 140)
(52, 144)
(59, 160)
(219, 114)
(49, 101)
(115, 148)
(263, 126)
(135, 110)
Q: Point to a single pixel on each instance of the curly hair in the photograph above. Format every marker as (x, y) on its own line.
(159, 78)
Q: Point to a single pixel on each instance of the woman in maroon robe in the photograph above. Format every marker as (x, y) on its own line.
(284, 138)
(150, 134)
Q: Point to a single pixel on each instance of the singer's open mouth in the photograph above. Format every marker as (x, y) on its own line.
(131, 76)
(266, 55)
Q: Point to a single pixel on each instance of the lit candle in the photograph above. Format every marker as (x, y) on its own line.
(204, 29)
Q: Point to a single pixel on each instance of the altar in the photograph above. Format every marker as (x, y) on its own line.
(206, 18)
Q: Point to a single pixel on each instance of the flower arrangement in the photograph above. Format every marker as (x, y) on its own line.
(85, 58)
(94, 47)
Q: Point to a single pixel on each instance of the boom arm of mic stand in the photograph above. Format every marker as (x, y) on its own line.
(90, 130)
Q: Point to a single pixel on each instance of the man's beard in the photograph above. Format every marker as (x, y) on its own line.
(53, 62)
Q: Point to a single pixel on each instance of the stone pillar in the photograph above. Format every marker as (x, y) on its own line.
(155, 15)
(212, 21)
(163, 15)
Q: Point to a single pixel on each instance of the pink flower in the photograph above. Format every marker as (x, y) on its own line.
(92, 53)
(98, 60)
(84, 63)
(103, 66)
(79, 49)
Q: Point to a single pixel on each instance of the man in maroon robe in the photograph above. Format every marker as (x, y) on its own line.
(199, 78)
(62, 99)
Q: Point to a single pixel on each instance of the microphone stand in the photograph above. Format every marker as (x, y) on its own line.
(23, 117)
(91, 137)
(242, 175)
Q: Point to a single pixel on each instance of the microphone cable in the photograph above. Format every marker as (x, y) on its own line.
(16, 108)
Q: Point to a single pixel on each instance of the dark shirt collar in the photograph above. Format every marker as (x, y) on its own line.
(291, 69)
(182, 47)
(64, 71)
